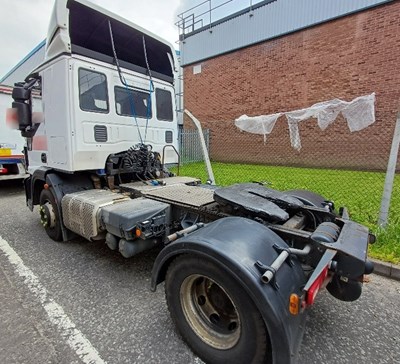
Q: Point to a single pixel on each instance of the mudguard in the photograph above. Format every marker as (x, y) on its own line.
(236, 244)
(32, 192)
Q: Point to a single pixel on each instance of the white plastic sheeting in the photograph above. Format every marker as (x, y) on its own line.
(262, 124)
(359, 114)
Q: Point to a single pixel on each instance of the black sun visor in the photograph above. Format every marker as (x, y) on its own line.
(90, 36)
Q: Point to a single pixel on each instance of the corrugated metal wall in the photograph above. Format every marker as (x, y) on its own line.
(269, 21)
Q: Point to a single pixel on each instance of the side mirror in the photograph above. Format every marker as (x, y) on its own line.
(23, 107)
(24, 114)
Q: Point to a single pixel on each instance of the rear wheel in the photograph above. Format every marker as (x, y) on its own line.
(213, 313)
(49, 216)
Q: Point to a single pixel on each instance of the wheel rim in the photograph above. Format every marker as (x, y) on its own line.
(210, 312)
(47, 215)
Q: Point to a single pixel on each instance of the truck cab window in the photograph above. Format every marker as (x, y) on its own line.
(130, 102)
(93, 95)
(164, 105)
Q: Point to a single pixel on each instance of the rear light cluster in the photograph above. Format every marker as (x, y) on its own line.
(314, 289)
(298, 304)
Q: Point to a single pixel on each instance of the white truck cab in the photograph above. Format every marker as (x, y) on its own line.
(106, 85)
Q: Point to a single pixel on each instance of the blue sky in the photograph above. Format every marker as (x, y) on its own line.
(24, 22)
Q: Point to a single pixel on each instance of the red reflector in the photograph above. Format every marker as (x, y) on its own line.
(3, 170)
(312, 292)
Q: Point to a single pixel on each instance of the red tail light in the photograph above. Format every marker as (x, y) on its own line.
(313, 290)
(3, 170)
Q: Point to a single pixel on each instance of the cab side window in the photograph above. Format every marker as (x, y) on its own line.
(164, 105)
(130, 102)
(93, 94)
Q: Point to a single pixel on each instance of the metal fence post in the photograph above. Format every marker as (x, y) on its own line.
(390, 173)
(206, 157)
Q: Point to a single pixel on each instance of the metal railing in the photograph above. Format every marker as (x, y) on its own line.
(204, 14)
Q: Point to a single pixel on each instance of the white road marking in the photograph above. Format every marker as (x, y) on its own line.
(74, 337)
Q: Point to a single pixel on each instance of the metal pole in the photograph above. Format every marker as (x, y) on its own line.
(277, 263)
(204, 147)
(390, 173)
(178, 234)
(210, 14)
(268, 275)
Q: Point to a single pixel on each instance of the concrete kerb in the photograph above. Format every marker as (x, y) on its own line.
(386, 269)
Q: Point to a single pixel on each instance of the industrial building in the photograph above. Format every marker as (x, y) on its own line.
(285, 55)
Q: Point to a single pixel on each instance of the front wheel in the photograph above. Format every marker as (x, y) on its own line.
(49, 216)
(213, 313)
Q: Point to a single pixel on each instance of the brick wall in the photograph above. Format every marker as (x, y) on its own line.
(345, 58)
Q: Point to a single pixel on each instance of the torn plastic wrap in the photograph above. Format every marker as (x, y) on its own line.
(359, 114)
(258, 124)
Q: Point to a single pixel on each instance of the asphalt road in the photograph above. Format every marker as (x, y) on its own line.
(105, 299)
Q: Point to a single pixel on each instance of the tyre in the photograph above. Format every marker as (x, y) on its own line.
(49, 216)
(213, 313)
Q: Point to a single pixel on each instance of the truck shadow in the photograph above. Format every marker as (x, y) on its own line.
(9, 187)
(99, 251)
